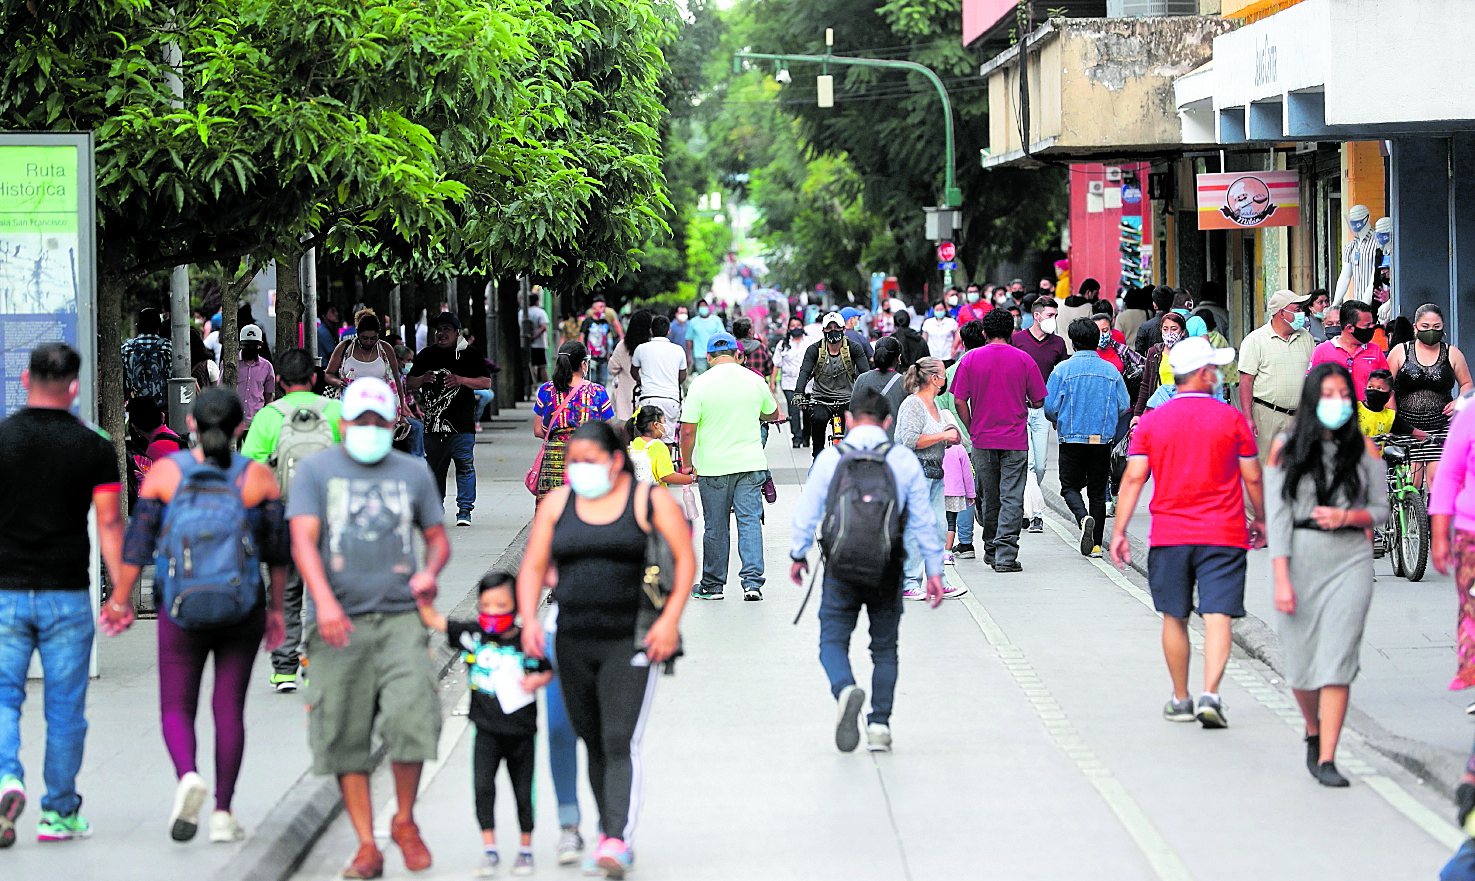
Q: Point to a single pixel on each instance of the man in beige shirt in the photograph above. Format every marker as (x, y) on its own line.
(1273, 360)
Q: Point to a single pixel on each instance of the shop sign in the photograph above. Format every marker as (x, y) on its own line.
(1249, 199)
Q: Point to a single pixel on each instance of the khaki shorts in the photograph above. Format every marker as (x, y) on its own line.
(384, 674)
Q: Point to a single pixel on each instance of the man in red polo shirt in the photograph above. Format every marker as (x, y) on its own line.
(1202, 450)
(1353, 348)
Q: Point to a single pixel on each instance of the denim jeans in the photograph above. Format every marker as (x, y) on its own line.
(440, 449)
(415, 440)
(1001, 478)
(484, 399)
(798, 420)
(563, 747)
(1461, 866)
(839, 608)
(598, 371)
(58, 624)
(914, 569)
(738, 493)
(1039, 440)
(965, 526)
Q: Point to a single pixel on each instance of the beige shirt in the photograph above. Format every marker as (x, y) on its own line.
(1279, 364)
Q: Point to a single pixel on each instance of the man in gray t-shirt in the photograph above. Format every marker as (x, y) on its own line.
(354, 510)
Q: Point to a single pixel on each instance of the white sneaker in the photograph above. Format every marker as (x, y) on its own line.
(225, 828)
(878, 737)
(952, 592)
(189, 797)
(947, 558)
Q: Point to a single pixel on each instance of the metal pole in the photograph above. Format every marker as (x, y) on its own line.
(952, 196)
(310, 303)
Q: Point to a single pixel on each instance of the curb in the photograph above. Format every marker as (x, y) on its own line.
(281, 843)
(1436, 767)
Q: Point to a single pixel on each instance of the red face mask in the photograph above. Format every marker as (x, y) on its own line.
(494, 623)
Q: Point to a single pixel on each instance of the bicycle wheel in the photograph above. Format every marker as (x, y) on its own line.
(1415, 538)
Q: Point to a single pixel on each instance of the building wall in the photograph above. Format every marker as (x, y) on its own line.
(1437, 85)
(1095, 237)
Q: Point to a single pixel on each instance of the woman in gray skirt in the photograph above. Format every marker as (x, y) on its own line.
(1324, 488)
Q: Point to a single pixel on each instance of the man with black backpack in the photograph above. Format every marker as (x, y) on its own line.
(833, 363)
(865, 496)
(293, 426)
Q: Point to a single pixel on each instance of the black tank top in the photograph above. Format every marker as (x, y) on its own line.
(1421, 393)
(599, 569)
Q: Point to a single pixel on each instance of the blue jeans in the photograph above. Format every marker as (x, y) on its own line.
(563, 748)
(1461, 866)
(914, 565)
(440, 449)
(965, 526)
(598, 371)
(1001, 478)
(1039, 440)
(839, 608)
(484, 399)
(58, 624)
(414, 442)
(738, 493)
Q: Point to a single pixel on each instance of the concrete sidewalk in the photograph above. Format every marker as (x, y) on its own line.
(1400, 700)
(1029, 744)
(127, 780)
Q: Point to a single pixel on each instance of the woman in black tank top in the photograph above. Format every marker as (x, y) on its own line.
(1428, 373)
(594, 531)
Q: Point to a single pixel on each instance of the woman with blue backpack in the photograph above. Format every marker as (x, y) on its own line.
(207, 519)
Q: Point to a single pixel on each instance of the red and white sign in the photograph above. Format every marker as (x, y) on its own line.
(1249, 199)
(946, 251)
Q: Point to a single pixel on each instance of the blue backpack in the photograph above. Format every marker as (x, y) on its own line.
(207, 566)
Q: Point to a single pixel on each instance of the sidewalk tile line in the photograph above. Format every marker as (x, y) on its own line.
(1166, 864)
(1282, 705)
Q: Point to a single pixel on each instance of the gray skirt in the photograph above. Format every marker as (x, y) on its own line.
(1332, 573)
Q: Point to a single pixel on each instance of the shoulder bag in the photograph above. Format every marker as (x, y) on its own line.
(658, 576)
(531, 479)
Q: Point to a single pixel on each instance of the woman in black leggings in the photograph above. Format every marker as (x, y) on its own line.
(594, 531)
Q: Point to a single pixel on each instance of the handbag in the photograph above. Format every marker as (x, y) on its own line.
(1133, 364)
(657, 578)
(931, 470)
(530, 480)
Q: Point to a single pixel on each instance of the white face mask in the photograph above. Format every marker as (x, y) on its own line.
(1047, 325)
(367, 444)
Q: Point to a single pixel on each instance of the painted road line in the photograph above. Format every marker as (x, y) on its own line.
(1166, 865)
(1275, 699)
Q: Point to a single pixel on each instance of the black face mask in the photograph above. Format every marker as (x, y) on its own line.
(1430, 337)
(1376, 399)
(834, 336)
(796, 332)
(1364, 335)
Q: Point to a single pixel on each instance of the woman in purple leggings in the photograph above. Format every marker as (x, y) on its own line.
(215, 421)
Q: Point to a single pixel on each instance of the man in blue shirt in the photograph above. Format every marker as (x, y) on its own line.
(851, 316)
(698, 331)
(1084, 397)
(840, 605)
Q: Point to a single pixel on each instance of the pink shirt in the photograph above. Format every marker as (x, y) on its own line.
(1362, 362)
(252, 381)
(996, 379)
(1452, 494)
(957, 474)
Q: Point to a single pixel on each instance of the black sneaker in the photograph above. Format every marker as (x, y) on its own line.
(1211, 712)
(1012, 566)
(1037, 524)
(1313, 752)
(988, 559)
(752, 595)
(702, 593)
(1179, 711)
(1088, 532)
(847, 723)
(964, 552)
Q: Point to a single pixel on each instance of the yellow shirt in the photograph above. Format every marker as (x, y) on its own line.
(1375, 422)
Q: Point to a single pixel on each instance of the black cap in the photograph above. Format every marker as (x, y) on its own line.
(446, 318)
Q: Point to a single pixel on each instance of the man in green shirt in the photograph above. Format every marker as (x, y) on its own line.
(721, 446)
(292, 426)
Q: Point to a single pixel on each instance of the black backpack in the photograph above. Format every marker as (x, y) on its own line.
(863, 528)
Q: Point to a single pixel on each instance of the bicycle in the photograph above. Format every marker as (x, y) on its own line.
(836, 410)
(1406, 533)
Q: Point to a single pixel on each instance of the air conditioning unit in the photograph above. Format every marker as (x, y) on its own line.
(1141, 8)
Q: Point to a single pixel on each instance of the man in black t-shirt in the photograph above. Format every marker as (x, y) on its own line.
(53, 469)
(446, 380)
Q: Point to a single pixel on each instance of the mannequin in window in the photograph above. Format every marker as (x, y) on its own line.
(1358, 265)
(1383, 260)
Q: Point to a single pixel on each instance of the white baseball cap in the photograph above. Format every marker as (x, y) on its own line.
(833, 316)
(1186, 356)
(369, 394)
(250, 334)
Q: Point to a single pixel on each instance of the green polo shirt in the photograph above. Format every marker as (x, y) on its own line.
(724, 404)
(261, 439)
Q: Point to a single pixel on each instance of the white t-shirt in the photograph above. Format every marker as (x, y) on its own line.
(661, 362)
(539, 319)
(939, 335)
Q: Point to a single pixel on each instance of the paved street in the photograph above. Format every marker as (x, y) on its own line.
(1028, 744)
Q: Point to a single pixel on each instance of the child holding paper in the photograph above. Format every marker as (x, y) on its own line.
(503, 709)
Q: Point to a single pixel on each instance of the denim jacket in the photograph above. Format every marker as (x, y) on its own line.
(1085, 396)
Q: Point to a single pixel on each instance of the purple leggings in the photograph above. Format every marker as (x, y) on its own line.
(182, 655)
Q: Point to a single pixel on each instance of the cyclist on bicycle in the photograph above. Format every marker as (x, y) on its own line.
(833, 363)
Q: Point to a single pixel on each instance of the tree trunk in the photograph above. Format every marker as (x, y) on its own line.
(110, 412)
(289, 304)
(230, 332)
(511, 382)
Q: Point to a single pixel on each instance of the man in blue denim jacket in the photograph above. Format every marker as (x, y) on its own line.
(1084, 398)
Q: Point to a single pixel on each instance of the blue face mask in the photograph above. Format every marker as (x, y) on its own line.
(1383, 238)
(1217, 390)
(703, 311)
(589, 479)
(367, 444)
(1333, 412)
(1298, 321)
